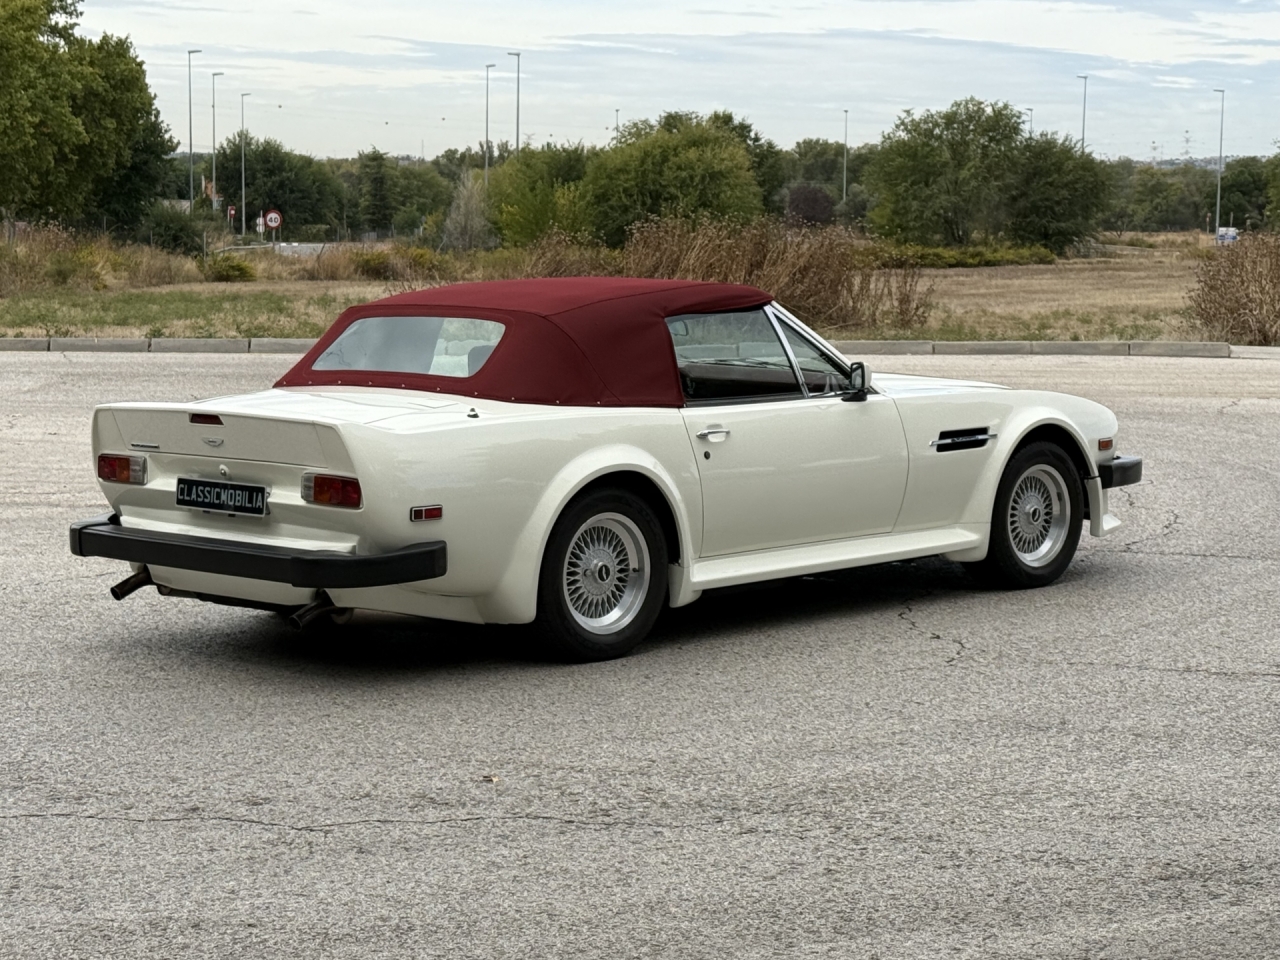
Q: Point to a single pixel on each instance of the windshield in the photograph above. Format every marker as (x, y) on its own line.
(440, 346)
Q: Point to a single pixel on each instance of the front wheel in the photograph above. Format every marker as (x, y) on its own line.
(603, 577)
(1036, 519)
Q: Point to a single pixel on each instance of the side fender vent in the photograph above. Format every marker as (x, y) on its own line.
(970, 438)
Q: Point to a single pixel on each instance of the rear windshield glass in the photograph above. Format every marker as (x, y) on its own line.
(440, 346)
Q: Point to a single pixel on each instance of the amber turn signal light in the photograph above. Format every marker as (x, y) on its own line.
(1106, 444)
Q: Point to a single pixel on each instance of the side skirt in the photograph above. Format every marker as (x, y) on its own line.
(808, 558)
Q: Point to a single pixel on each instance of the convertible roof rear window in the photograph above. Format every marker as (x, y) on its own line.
(439, 346)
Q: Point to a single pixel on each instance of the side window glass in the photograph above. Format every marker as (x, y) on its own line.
(731, 356)
(821, 376)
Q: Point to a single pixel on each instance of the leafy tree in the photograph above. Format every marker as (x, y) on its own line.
(79, 132)
(1057, 193)
(377, 190)
(538, 192)
(420, 193)
(453, 163)
(306, 191)
(807, 203)
(1272, 169)
(1244, 192)
(768, 160)
(126, 194)
(695, 169)
(943, 176)
(37, 124)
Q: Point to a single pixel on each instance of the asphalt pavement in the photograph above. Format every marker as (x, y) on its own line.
(884, 763)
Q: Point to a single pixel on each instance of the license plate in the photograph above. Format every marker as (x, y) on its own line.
(218, 496)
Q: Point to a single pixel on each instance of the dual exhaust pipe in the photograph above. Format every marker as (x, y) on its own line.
(299, 619)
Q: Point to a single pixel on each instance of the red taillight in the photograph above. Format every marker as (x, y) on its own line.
(115, 468)
(334, 491)
(208, 419)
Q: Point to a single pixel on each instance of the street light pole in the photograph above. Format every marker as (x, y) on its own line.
(1084, 108)
(191, 145)
(1222, 120)
(1031, 116)
(487, 68)
(214, 83)
(617, 112)
(844, 193)
(517, 56)
(243, 209)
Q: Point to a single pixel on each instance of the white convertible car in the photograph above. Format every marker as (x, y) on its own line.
(580, 452)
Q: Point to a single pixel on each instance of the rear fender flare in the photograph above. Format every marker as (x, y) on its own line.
(515, 598)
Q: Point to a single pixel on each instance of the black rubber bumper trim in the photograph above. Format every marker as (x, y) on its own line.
(104, 537)
(1120, 472)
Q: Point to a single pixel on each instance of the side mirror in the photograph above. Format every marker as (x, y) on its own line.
(859, 378)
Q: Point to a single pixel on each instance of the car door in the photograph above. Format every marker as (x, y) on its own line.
(783, 458)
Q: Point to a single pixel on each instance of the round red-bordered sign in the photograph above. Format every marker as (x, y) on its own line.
(274, 220)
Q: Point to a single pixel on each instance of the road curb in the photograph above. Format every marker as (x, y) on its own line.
(906, 347)
(280, 345)
(853, 348)
(98, 345)
(198, 345)
(1081, 348)
(1255, 353)
(1177, 348)
(981, 347)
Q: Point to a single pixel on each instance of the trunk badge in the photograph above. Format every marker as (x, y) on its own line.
(213, 441)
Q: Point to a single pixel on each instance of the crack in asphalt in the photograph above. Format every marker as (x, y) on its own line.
(905, 615)
(370, 821)
(1169, 528)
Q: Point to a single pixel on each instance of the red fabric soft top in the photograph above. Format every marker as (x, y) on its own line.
(582, 341)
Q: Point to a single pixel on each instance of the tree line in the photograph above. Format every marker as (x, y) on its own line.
(81, 143)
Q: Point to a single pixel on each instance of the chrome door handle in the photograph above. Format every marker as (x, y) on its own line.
(713, 434)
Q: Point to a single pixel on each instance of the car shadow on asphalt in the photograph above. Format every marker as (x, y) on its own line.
(373, 644)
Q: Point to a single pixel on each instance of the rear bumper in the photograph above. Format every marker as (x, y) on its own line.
(1120, 472)
(320, 569)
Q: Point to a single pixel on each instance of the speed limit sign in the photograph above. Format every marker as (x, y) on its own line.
(274, 220)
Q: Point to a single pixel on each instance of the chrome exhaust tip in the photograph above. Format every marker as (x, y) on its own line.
(129, 584)
(319, 607)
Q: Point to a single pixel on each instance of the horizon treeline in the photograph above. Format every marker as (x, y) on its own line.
(82, 145)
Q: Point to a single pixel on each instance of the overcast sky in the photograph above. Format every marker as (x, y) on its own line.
(333, 77)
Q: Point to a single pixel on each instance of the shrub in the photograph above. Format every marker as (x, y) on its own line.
(830, 277)
(1237, 293)
(940, 258)
(224, 268)
(372, 264)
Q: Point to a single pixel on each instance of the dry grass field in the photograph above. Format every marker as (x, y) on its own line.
(1138, 296)
(1133, 293)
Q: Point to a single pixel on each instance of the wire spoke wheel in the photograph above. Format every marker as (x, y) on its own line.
(1039, 515)
(606, 573)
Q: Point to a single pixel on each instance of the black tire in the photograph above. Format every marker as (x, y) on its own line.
(602, 524)
(1042, 475)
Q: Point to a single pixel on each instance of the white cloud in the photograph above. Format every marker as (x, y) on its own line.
(408, 76)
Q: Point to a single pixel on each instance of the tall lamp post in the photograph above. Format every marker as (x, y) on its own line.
(844, 193)
(1222, 120)
(487, 68)
(243, 209)
(191, 146)
(214, 83)
(1084, 107)
(517, 56)
(1031, 119)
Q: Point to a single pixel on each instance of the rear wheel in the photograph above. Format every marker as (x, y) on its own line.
(603, 576)
(1036, 519)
